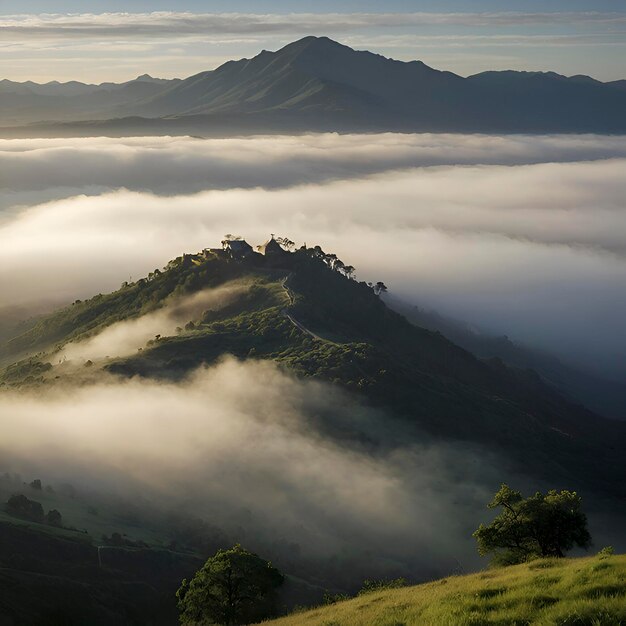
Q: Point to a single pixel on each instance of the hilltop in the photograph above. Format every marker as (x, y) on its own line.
(567, 591)
(317, 84)
(305, 311)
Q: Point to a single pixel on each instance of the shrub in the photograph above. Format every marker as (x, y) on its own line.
(20, 506)
(370, 586)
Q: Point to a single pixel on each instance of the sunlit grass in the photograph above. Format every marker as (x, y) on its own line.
(590, 591)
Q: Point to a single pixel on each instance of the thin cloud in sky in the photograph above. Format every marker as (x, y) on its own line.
(167, 24)
(46, 46)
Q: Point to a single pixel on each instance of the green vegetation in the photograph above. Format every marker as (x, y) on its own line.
(305, 311)
(91, 517)
(21, 506)
(183, 275)
(585, 592)
(543, 525)
(233, 587)
(370, 586)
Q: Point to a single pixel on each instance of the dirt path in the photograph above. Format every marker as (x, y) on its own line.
(294, 321)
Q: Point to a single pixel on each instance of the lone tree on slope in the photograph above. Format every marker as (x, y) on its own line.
(543, 525)
(233, 587)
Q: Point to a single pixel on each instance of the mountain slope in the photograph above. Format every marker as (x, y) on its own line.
(321, 75)
(312, 72)
(268, 81)
(567, 591)
(604, 396)
(279, 307)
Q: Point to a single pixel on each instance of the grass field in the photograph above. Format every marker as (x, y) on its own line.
(88, 516)
(585, 592)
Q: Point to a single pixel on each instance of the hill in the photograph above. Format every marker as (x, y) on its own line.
(316, 321)
(567, 591)
(304, 311)
(319, 84)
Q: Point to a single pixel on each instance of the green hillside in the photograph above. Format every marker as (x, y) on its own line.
(298, 310)
(589, 591)
(305, 312)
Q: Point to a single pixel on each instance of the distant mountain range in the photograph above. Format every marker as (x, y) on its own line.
(318, 84)
(28, 102)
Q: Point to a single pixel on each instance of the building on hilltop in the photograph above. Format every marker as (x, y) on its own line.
(237, 248)
(271, 248)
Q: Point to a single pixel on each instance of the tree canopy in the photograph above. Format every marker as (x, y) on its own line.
(543, 525)
(233, 587)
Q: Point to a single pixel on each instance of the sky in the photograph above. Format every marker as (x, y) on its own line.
(115, 41)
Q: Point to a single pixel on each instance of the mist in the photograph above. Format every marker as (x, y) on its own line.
(524, 236)
(241, 445)
(126, 337)
(518, 235)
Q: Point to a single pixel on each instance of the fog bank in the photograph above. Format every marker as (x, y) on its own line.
(184, 165)
(239, 441)
(534, 251)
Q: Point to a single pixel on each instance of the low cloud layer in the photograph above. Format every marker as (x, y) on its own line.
(183, 165)
(243, 437)
(480, 228)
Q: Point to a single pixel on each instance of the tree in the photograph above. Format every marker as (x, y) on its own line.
(337, 265)
(228, 238)
(285, 243)
(379, 288)
(54, 518)
(21, 506)
(233, 587)
(543, 525)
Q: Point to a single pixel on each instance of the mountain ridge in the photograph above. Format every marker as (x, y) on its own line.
(416, 375)
(316, 83)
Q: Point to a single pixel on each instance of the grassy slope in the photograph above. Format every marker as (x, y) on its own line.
(568, 591)
(79, 523)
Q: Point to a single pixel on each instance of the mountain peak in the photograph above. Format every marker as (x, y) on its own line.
(313, 41)
(313, 46)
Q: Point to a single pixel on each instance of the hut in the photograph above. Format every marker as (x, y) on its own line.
(237, 248)
(271, 248)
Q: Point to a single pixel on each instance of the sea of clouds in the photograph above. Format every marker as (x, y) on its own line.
(520, 235)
